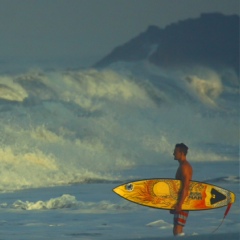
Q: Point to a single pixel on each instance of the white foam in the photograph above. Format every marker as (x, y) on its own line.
(208, 88)
(74, 126)
(67, 201)
(10, 90)
(160, 224)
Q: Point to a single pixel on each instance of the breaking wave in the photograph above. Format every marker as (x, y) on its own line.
(62, 127)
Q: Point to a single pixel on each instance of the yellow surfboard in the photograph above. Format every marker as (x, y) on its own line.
(163, 193)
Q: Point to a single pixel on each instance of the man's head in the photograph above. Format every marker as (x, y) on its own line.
(180, 151)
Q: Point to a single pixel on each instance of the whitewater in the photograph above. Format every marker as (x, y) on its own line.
(69, 136)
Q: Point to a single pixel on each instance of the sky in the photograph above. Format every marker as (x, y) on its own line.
(84, 31)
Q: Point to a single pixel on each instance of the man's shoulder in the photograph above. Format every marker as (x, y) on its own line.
(187, 166)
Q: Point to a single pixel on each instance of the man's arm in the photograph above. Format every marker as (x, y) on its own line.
(186, 178)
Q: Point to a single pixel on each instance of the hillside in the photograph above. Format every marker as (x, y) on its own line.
(210, 40)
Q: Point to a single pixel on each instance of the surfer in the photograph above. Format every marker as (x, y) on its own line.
(184, 173)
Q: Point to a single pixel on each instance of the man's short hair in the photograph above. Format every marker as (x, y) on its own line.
(183, 148)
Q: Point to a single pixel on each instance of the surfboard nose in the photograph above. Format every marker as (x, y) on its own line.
(115, 189)
(124, 190)
(119, 190)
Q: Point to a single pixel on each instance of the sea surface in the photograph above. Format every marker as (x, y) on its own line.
(69, 136)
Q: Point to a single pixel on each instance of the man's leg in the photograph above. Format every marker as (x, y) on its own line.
(179, 222)
(177, 229)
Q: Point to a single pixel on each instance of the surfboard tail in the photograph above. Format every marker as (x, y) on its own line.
(232, 198)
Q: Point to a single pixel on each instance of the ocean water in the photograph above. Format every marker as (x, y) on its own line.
(69, 136)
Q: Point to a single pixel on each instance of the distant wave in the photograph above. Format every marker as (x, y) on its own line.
(227, 179)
